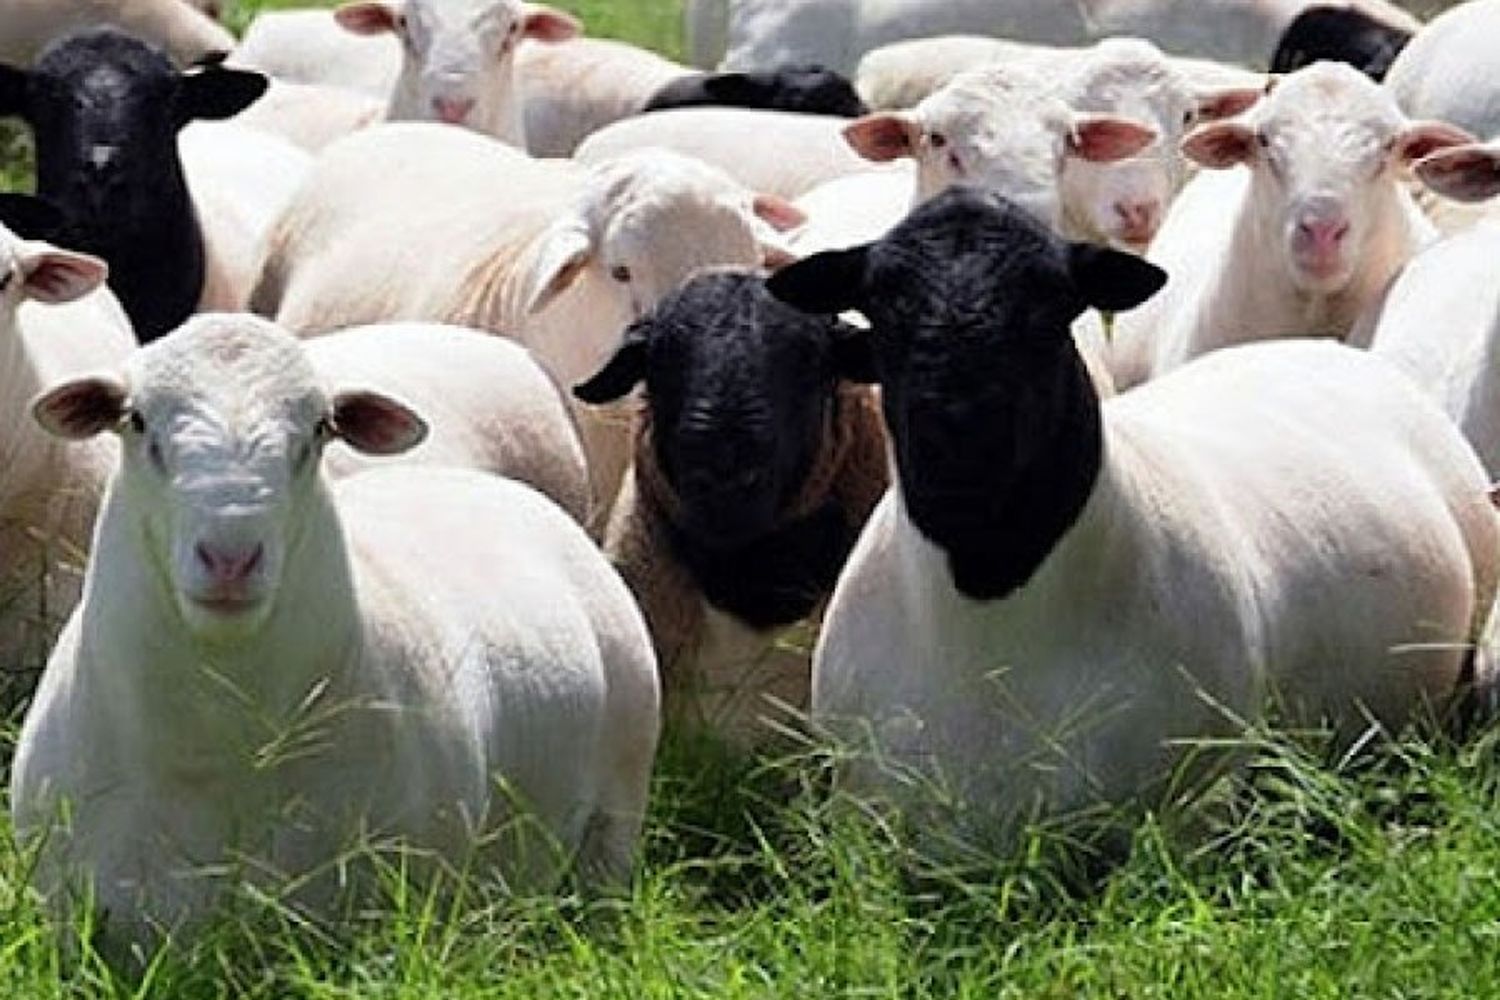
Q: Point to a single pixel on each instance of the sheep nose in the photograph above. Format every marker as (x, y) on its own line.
(229, 566)
(1323, 234)
(453, 110)
(1139, 219)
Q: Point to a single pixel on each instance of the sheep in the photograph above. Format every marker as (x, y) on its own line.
(310, 115)
(1056, 596)
(459, 57)
(1342, 34)
(296, 667)
(576, 88)
(778, 152)
(310, 47)
(836, 33)
(900, 75)
(1302, 241)
(1093, 151)
(1440, 322)
(558, 256)
(186, 34)
(758, 458)
(176, 212)
(487, 404)
(57, 319)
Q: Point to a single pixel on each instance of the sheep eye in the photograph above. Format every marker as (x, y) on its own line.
(1188, 117)
(153, 452)
(1262, 140)
(7, 279)
(620, 273)
(136, 421)
(937, 140)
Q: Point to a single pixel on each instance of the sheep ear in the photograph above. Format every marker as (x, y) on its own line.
(731, 88)
(1464, 173)
(883, 137)
(622, 372)
(543, 24)
(1227, 102)
(1107, 138)
(368, 17)
(1110, 280)
(1424, 138)
(80, 408)
(13, 90)
(375, 424)
(217, 93)
(776, 212)
(828, 282)
(566, 250)
(54, 276)
(30, 217)
(854, 353)
(1220, 145)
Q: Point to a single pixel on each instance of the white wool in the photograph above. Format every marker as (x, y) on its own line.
(575, 88)
(186, 34)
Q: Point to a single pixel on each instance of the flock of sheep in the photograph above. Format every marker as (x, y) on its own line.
(412, 408)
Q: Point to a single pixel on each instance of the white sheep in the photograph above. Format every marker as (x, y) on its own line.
(555, 255)
(1058, 600)
(577, 87)
(57, 320)
(268, 670)
(309, 46)
(310, 115)
(1301, 240)
(459, 57)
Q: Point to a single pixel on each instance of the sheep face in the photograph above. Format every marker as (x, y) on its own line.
(740, 388)
(970, 302)
(645, 224)
(1324, 149)
(1123, 203)
(222, 426)
(1000, 129)
(458, 62)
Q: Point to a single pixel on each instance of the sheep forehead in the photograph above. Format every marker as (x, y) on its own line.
(655, 189)
(239, 373)
(1127, 80)
(464, 15)
(1328, 96)
(994, 103)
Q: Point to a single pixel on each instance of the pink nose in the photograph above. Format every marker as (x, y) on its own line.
(1138, 219)
(453, 110)
(1323, 235)
(228, 567)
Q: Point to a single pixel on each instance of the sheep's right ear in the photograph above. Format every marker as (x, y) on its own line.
(30, 217)
(81, 408)
(368, 17)
(215, 93)
(1464, 173)
(13, 90)
(827, 282)
(1220, 145)
(886, 136)
(621, 373)
(566, 249)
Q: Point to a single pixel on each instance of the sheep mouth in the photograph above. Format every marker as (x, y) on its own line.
(226, 605)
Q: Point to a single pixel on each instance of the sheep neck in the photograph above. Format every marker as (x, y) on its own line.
(997, 519)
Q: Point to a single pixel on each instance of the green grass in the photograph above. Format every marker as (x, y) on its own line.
(1377, 880)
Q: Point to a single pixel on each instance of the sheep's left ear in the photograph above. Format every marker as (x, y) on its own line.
(54, 276)
(1463, 173)
(1111, 280)
(566, 249)
(622, 372)
(216, 93)
(853, 353)
(375, 424)
(13, 88)
(543, 24)
(827, 282)
(82, 407)
(1424, 138)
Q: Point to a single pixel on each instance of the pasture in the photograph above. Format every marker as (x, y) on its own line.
(1376, 875)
